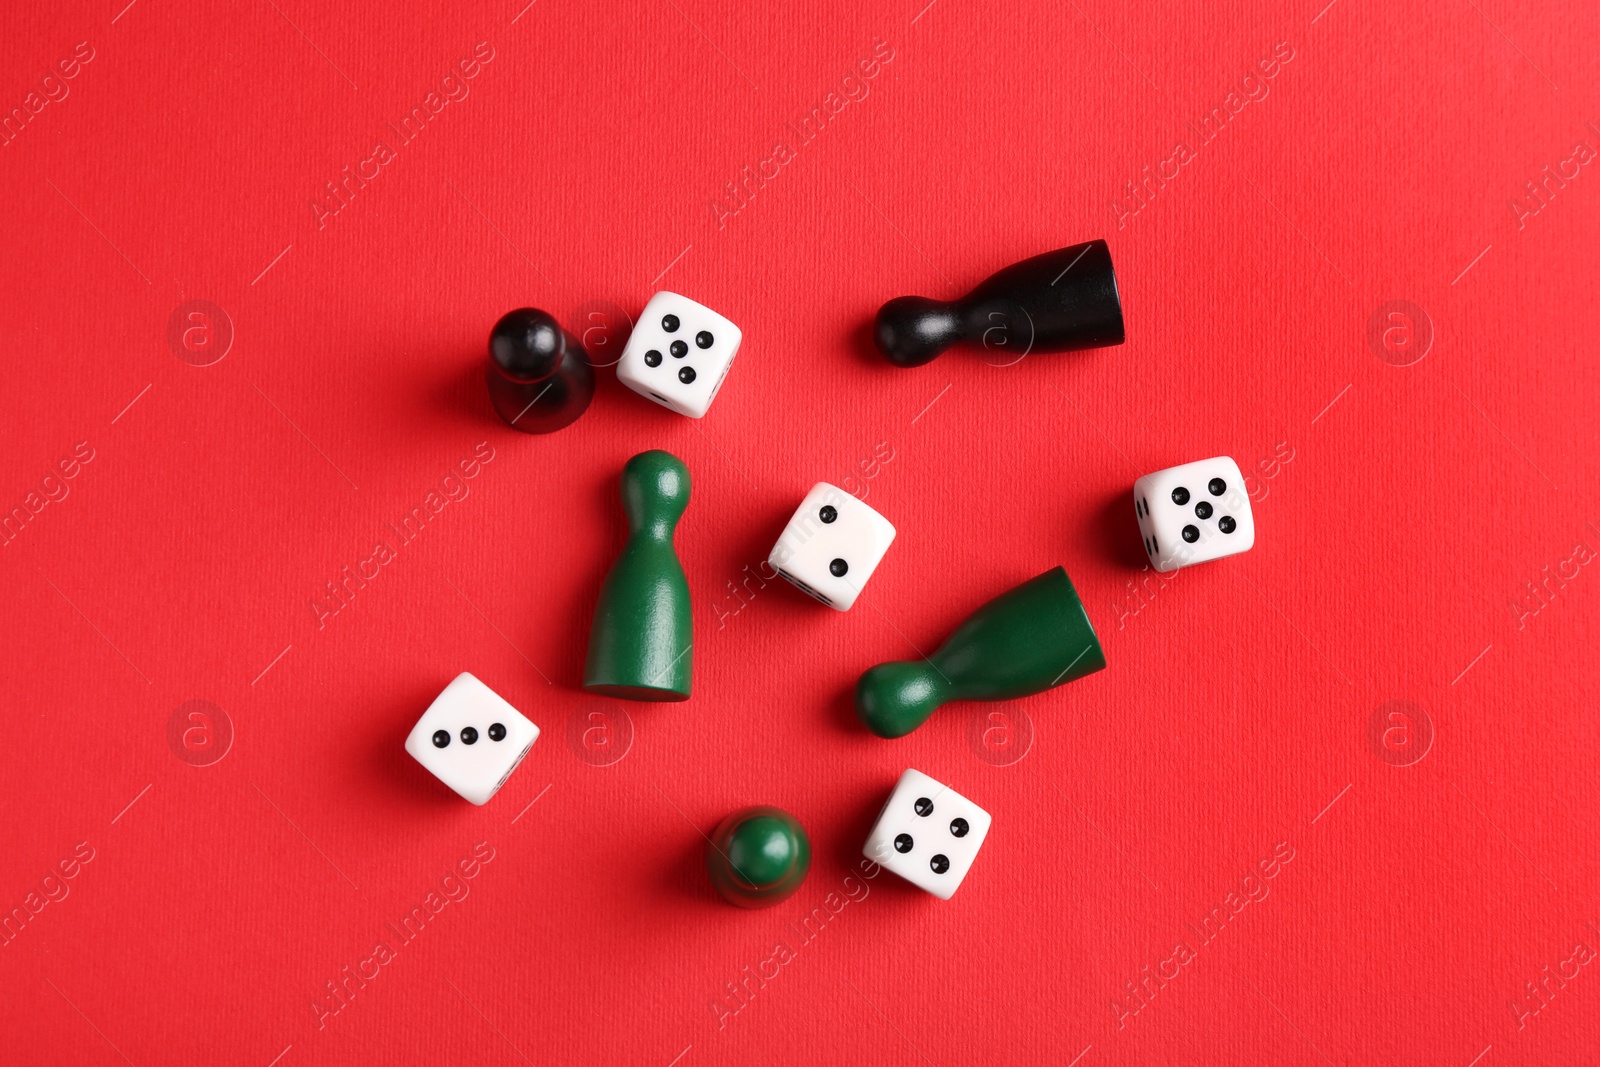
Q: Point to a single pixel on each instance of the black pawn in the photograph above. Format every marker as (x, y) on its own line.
(540, 378)
(1056, 302)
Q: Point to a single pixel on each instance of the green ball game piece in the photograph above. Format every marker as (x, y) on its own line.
(758, 857)
(639, 645)
(1024, 641)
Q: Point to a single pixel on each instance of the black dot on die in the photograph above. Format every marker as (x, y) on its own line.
(678, 349)
(441, 738)
(1191, 534)
(958, 828)
(1226, 524)
(923, 806)
(838, 568)
(1180, 496)
(669, 323)
(828, 513)
(1202, 510)
(497, 732)
(652, 358)
(940, 863)
(903, 843)
(704, 339)
(469, 735)
(1217, 486)
(685, 375)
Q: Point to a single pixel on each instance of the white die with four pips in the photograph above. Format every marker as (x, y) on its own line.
(928, 834)
(678, 354)
(831, 546)
(471, 739)
(1193, 513)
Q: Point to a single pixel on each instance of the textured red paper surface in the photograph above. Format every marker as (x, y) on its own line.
(1402, 512)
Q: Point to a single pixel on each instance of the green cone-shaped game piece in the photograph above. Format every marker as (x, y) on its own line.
(758, 857)
(639, 647)
(1032, 638)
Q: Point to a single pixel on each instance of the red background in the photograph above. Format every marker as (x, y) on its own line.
(1415, 504)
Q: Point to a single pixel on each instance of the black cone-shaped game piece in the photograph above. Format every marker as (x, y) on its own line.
(540, 378)
(1056, 302)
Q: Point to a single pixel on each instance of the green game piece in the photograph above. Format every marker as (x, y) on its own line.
(639, 647)
(1032, 638)
(758, 857)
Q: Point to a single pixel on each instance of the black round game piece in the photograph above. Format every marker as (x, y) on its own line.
(686, 375)
(441, 738)
(838, 568)
(903, 843)
(669, 323)
(652, 358)
(678, 349)
(1180, 496)
(469, 735)
(704, 339)
(828, 513)
(923, 806)
(940, 863)
(497, 731)
(1202, 510)
(1226, 524)
(1217, 486)
(1191, 534)
(539, 376)
(958, 828)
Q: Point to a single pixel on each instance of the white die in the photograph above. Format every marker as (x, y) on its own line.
(678, 354)
(484, 739)
(1194, 513)
(831, 546)
(928, 834)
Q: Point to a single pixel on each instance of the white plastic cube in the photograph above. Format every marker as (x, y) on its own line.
(831, 546)
(928, 834)
(471, 739)
(1194, 513)
(678, 354)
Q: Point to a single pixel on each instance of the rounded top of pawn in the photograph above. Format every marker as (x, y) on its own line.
(655, 491)
(758, 856)
(527, 345)
(912, 330)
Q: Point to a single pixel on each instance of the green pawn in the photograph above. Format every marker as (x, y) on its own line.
(758, 857)
(639, 647)
(1032, 638)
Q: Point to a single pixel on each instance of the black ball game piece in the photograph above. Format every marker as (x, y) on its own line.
(1056, 302)
(540, 378)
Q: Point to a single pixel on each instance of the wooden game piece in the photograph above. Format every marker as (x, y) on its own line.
(639, 646)
(758, 857)
(1055, 302)
(1194, 513)
(1024, 641)
(539, 375)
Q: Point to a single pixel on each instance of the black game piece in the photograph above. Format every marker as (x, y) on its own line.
(1055, 302)
(540, 378)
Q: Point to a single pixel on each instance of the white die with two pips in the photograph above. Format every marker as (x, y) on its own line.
(928, 834)
(471, 739)
(831, 546)
(679, 354)
(1194, 513)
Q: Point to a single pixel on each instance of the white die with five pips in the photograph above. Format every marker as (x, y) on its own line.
(1194, 513)
(471, 739)
(928, 834)
(678, 354)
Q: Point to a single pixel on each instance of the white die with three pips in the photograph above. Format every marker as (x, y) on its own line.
(679, 354)
(928, 834)
(1194, 513)
(831, 546)
(471, 739)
